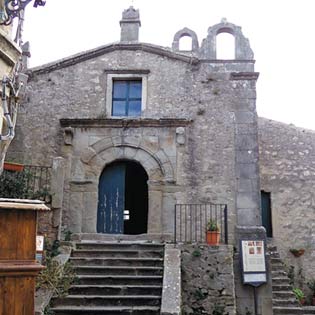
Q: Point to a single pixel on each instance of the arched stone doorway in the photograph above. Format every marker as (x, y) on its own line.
(123, 199)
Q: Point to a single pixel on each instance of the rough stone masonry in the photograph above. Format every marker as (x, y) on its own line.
(196, 136)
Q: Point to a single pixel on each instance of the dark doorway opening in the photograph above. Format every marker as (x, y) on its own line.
(123, 199)
(266, 215)
(136, 199)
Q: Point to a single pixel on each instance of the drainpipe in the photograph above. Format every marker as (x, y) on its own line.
(6, 114)
(7, 117)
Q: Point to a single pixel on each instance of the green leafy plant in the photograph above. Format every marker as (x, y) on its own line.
(68, 236)
(291, 274)
(299, 294)
(19, 185)
(218, 310)
(199, 294)
(196, 253)
(212, 226)
(14, 184)
(311, 285)
(297, 252)
(49, 311)
(51, 250)
(56, 277)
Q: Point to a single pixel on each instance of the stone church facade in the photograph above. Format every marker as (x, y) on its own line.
(180, 127)
(194, 131)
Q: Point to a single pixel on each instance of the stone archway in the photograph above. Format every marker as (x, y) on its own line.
(157, 166)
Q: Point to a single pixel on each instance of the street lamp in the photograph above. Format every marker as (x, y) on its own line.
(10, 9)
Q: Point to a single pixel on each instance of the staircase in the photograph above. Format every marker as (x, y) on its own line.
(114, 278)
(284, 301)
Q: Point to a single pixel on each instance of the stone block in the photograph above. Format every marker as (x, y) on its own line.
(87, 155)
(102, 144)
(247, 170)
(246, 200)
(248, 217)
(247, 156)
(150, 143)
(89, 218)
(246, 142)
(171, 294)
(244, 117)
(76, 205)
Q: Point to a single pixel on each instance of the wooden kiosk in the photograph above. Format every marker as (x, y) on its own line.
(18, 267)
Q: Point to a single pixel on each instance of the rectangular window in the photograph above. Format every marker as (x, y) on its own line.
(126, 98)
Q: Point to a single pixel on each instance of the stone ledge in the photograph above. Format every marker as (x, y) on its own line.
(123, 122)
(244, 75)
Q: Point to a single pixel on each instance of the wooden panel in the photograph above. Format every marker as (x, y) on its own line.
(111, 200)
(24, 296)
(9, 298)
(1, 295)
(17, 295)
(26, 245)
(8, 239)
(18, 235)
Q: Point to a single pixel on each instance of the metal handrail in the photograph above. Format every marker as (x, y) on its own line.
(190, 222)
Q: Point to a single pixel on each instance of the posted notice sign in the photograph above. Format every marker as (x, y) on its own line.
(253, 262)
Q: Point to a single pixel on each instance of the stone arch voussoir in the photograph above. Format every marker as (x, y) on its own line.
(100, 154)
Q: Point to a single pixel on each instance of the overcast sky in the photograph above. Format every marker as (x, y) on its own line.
(281, 34)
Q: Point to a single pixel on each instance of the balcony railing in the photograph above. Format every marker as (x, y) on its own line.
(34, 182)
(191, 220)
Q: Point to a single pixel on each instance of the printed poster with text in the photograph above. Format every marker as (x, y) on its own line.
(253, 256)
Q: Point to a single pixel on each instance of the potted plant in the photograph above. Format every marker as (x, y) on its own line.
(299, 295)
(9, 166)
(311, 285)
(297, 252)
(212, 233)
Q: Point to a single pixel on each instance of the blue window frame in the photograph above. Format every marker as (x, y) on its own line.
(127, 98)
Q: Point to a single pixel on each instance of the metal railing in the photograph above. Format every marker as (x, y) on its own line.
(191, 220)
(34, 182)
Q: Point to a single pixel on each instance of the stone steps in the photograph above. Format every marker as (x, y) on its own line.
(121, 270)
(309, 310)
(95, 261)
(113, 310)
(114, 278)
(107, 300)
(102, 253)
(287, 310)
(119, 280)
(116, 289)
(283, 299)
(118, 246)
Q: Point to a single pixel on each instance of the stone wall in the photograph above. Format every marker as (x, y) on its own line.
(287, 168)
(216, 159)
(207, 280)
(205, 94)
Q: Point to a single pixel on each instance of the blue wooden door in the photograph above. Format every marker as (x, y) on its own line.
(111, 200)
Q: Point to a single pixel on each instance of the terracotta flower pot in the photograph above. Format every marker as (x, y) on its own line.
(297, 252)
(213, 237)
(13, 167)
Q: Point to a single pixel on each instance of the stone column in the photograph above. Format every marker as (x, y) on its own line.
(57, 187)
(155, 208)
(246, 153)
